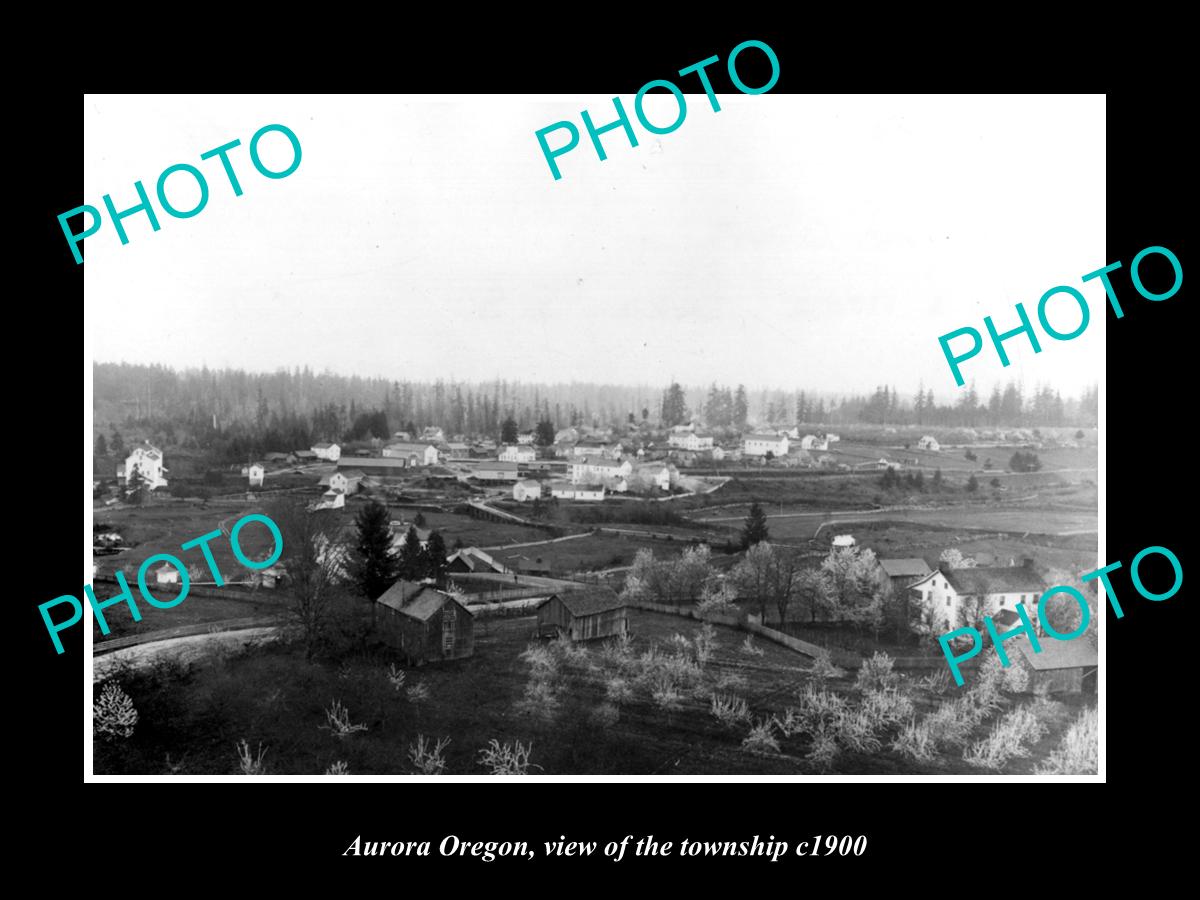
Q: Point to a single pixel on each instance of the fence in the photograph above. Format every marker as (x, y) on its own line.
(264, 596)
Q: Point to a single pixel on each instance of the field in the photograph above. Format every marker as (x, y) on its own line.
(191, 719)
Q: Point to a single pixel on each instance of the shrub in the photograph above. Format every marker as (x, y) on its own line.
(506, 759)
(886, 708)
(617, 690)
(749, 647)
(951, 723)
(396, 676)
(718, 606)
(824, 750)
(540, 699)
(1009, 738)
(856, 731)
(876, 672)
(937, 682)
(705, 642)
(916, 742)
(791, 723)
(617, 652)
(543, 662)
(113, 715)
(338, 768)
(427, 758)
(250, 764)
(823, 667)
(730, 710)
(761, 739)
(605, 715)
(338, 721)
(818, 709)
(418, 693)
(1078, 752)
(665, 691)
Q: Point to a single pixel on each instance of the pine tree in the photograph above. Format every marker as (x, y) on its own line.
(508, 430)
(117, 443)
(135, 487)
(755, 529)
(373, 565)
(411, 562)
(101, 445)
(545, 432)
(741, 407)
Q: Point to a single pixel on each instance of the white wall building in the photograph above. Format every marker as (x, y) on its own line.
(762, 444)
(690, 440)
(518, 453)
(945, 593)
(148, 460)
(417, 454)
(256, 474)
(527, 490)
(928, 442)
(593, 469)
(564, 491)
(327, 450)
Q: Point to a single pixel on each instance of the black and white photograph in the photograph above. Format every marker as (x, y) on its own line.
(524, 435)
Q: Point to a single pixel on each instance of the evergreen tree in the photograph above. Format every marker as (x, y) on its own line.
(674, 406)
(937, 479)
(434, 559)
(508, 430)
(741, 407)
(755, 529)
(101, 446)
(117, 443)
(135, 487)
(373, 565)
(545, 432)
(411, 562)
(972, 484)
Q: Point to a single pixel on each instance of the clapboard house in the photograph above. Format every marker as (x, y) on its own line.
(425, 624)
(595, 612)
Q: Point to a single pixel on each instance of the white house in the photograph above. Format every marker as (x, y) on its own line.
(331, 499)
(690, 440)
(166, 574)
(592, 469)
(433, 435)
(951, 595)
(762, 443)
(567, 436)
(495, 470)
(326, 450)
(844, 540)
(718, 454)
(527, 490)
(256, 473)
(814, 442)
(148, 461)
(928, 442)
(518, 453)
(421, 453)
(344, 481)
(525, 438)
(564, 491)
(658, 474)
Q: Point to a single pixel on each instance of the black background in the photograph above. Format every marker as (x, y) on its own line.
(929, 836)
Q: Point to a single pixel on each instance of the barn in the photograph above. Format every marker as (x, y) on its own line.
(1067, 666)
(425, 624)
(584, 615)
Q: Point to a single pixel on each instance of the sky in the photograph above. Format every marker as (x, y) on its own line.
(787, 241)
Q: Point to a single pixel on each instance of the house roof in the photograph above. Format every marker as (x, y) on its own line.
(373, 462)
(588, 602)
(1005, 618)
(913, 567)
(419, 601)
(496, 465)
(324, 445)
(353, 473)
(1058, 654)
(304, 453)
(598, 462)
(994, 580)
(409, 446)
(759, 436)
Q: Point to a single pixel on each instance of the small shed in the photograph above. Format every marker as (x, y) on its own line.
(256, 471)
(425, 624)
(844, 540)
(584, 615)
(166, 574)
(1066, 666)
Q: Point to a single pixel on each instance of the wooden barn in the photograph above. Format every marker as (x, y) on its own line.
(595, 612)
(1068, 666)
(425, 624)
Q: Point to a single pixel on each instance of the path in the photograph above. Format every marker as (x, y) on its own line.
(181, 649)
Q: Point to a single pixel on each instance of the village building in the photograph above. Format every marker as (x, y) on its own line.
(844, 541)
(425, 624)
(593, 469)
(1062, 666)
(414, 454)
(331, 499)
(903, 573)
(814, 442)
(563, 490)
(928, 442)
(166, 574)
(567, 436)
(527, 490)
(471, 560)
(599, 447)
(760, 444)
(457, 450)
(375, 467)
(327, 450)
(950, 596)
(304, 455)
(255, 472)
(659, 475)
(280, 457)
(148, 461)
(400, 530)
(526, 438)
(584, 615)
(518, 453)
(496, 470)
(690, 440)
(431, 434)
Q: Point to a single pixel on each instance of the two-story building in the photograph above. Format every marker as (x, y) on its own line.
(762, 443)
(690, 440)
(951, 596)
(421, 453)
(148, 461)
(597, 469)
(327, 450)
(518, 453)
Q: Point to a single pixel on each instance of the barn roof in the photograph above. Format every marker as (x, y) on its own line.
(914, 567)
(994, 580)
(371, 462)
(588, 602)
(409, 446)
(419, 601)
(1056, 654)
(496, 465)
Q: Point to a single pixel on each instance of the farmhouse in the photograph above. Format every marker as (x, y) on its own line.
(928, 442)
(904, 572)
(527, 490)
(814, 442)
(518, 453)
(658, 475)
(327, 450)
(761, 444)
(472, 559)
(1064, 666)
(425, 624)
(148, 461)
(495, 470)
(418, 454)
(166, 574)
(256, 473)
(594, 612)
(951, 596)
(331, 500)
(563, 490)
(458, 450)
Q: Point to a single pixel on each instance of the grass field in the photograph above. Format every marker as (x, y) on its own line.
(190, 720)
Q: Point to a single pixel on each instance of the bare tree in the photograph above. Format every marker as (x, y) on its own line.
(313, 556)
